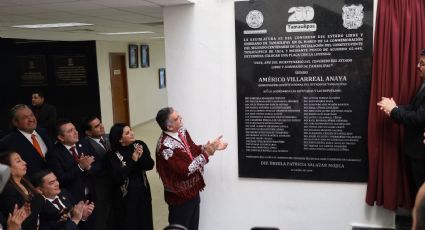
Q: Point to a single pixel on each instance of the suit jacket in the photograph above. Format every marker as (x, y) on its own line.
(50, 215)
(101, 180)
(70, 176)
(182, 176)
(412, 116)
(18, 142)
(99, 151)
(103, 186)
(46, 117)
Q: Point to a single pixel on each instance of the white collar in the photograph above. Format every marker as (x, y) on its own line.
(173, 134)
(70, 146)
(28, 135)
(51, 200)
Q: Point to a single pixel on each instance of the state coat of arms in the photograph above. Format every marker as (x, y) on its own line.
(352, 16)
(254, 19)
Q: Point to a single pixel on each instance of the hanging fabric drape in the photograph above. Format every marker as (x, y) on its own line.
(399, 37)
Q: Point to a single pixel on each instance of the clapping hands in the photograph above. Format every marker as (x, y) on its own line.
(15, 219)
(217, 144)
(387, 104)
(138, 152)
(88, 209)
(85, 161)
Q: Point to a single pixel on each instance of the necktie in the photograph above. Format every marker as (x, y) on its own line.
(103, 144)
(58, 204)
(185, 144)
(36, 145)
(74, 153)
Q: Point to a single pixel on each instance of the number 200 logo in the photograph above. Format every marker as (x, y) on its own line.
(301, 13)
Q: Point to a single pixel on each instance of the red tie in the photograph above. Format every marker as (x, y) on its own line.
(186, 145)
(74, 153)
(36, 145)
(58, 204)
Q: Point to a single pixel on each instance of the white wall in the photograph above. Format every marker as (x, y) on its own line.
(145, 98)
(200, 57)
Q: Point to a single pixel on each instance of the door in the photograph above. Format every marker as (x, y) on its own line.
(119, 90)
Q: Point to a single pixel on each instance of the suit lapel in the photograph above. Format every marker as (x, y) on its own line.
(106, 138)
(65, 200)
(46, 139)
(80, 150)
(66, 153)
(417, 101)
(25, 140)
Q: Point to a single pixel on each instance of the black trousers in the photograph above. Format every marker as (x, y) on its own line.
(186, 214)
(417, 174)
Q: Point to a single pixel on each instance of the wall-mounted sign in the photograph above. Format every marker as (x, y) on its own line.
(303, 81)
(70, 70)
(32, 71)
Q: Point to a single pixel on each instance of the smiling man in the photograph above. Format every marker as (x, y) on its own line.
(31, 142)
(180, 164)
(58, 203)
(71, 160)
(103, 186)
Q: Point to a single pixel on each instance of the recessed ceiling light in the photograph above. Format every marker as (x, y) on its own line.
(128, 33)
(52, 25)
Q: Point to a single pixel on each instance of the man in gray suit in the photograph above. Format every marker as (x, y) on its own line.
(95, 135)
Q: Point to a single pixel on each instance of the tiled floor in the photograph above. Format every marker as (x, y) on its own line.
(149, 133)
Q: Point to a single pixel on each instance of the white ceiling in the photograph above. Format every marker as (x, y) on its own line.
(106, 15)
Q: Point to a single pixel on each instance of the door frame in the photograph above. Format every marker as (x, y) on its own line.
(111, 74)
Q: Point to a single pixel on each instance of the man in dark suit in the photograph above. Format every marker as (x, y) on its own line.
(71, 161)
(30, 142)
(103, 187)
(45, 113)
(59, 212)
(412, 116)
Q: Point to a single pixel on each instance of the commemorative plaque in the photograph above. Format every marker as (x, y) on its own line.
(70, 70)
(32, 71)
(303, 83)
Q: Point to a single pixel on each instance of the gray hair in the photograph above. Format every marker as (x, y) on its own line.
(15, 109)
(162, 117)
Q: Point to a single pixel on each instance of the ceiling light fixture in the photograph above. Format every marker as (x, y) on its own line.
(128, 33)
(52, 25)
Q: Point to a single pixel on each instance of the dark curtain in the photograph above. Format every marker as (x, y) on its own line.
(399, 37)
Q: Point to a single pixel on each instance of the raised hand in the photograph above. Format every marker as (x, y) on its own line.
(387, 104)
(138, 152)
(77, 212)
(88, 209)
(218, 144)
(15, 219)
(85, 161)
(209, 148)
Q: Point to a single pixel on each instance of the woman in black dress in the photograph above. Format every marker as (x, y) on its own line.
(129, 160)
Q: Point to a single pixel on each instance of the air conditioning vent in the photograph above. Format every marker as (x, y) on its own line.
(79, 30)
(152, 24)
